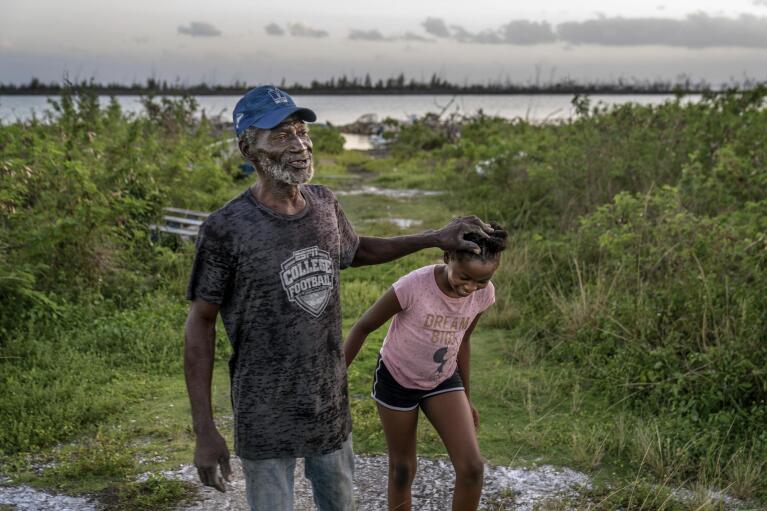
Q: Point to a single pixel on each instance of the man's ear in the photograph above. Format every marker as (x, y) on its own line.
(243, 145)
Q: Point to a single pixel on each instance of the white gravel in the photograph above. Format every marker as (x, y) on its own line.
(505, 488)
(25, 498)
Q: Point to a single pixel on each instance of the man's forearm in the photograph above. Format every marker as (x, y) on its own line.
(381, 250)
(199, 349)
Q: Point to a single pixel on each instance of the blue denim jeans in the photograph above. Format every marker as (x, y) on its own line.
(269, 483)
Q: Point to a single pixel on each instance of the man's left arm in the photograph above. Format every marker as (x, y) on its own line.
(381, 250)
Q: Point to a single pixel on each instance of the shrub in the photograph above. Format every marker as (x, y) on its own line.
(327, 139)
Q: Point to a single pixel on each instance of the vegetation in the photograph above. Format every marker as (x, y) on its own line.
(640, 262)
(399, 84)
(627, 341)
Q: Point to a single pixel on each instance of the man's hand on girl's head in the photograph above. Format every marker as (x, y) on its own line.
(451, 237)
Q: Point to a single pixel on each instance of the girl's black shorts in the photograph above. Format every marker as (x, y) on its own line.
(391, 394)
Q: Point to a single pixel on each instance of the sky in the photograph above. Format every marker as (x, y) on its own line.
(474, 41)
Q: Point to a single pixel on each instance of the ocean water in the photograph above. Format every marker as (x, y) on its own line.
(344, 109)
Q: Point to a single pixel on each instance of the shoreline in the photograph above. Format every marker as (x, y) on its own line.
(238, 92)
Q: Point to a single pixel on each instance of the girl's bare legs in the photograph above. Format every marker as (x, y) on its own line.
(400, 431)
(450, 414)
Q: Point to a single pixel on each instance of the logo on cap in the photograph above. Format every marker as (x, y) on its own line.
(277, 96)
(237, 120)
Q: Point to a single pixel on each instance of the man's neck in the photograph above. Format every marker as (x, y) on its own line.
(281, 197)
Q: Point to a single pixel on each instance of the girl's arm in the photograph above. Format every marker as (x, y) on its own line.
(386, 307)
(464, 366)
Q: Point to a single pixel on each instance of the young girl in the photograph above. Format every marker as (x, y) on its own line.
(424, 362)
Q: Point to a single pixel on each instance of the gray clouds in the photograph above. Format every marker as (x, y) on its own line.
(301, 30)
(520, 32)
(377, 36)
(697, 30)
(366, 35)
(527, 32)
(436, 27)
(274, 29)
(410, 36)
(199, 29)
(295, 30)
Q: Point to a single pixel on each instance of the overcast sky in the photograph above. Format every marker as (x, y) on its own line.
(470, 41)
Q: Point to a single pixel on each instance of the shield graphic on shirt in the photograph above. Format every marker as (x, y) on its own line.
(308, 279)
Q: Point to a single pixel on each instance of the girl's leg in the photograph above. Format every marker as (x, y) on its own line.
(450, 414)
(400, 432)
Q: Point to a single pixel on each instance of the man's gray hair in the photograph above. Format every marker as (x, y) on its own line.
(249, 139)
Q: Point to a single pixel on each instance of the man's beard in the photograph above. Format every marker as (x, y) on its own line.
(282, 171)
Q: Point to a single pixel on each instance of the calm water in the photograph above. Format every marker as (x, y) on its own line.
(347, 109)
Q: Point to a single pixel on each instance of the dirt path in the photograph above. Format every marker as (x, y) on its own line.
(505, 487)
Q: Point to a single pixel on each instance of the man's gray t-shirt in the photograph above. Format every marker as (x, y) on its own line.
(276, 278)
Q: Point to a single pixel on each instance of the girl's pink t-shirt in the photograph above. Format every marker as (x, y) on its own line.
(421, 347)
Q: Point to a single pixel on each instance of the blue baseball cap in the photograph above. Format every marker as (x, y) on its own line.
(265, 107)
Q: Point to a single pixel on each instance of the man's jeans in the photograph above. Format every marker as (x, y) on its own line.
(269, 483)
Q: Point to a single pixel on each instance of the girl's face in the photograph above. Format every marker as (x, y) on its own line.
(467, 275)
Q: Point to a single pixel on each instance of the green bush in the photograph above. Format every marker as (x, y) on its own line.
(327, 139)
(639, 257)
(79, 193)
(87, 298)
(682, 331)
(424, 134)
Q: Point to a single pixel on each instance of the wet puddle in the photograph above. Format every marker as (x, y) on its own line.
(395, 193)
(402, 223)
(357, 142)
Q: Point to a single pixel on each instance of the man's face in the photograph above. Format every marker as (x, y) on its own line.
(285, 152)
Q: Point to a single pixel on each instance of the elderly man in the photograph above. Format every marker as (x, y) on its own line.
(269, 262)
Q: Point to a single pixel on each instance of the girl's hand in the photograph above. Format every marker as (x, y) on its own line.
(474, 416)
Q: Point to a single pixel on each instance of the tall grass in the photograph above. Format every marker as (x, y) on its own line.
(638, 256)
(636, 271)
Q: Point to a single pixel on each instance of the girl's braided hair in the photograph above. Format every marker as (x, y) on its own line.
(490, 247)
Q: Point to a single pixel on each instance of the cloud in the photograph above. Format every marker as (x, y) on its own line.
(410, 36)
(695, 31)
(461, 35)
(525, 32)
(199, 29)
(301, 30)
(377, 36)
(518, 32)
(762, 3)
(366, 35)
(436, 27)
(698, 30)
(274, 29)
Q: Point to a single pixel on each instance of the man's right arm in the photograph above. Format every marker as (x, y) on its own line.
(199, 350)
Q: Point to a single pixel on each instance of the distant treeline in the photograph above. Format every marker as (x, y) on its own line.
(393, 85)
